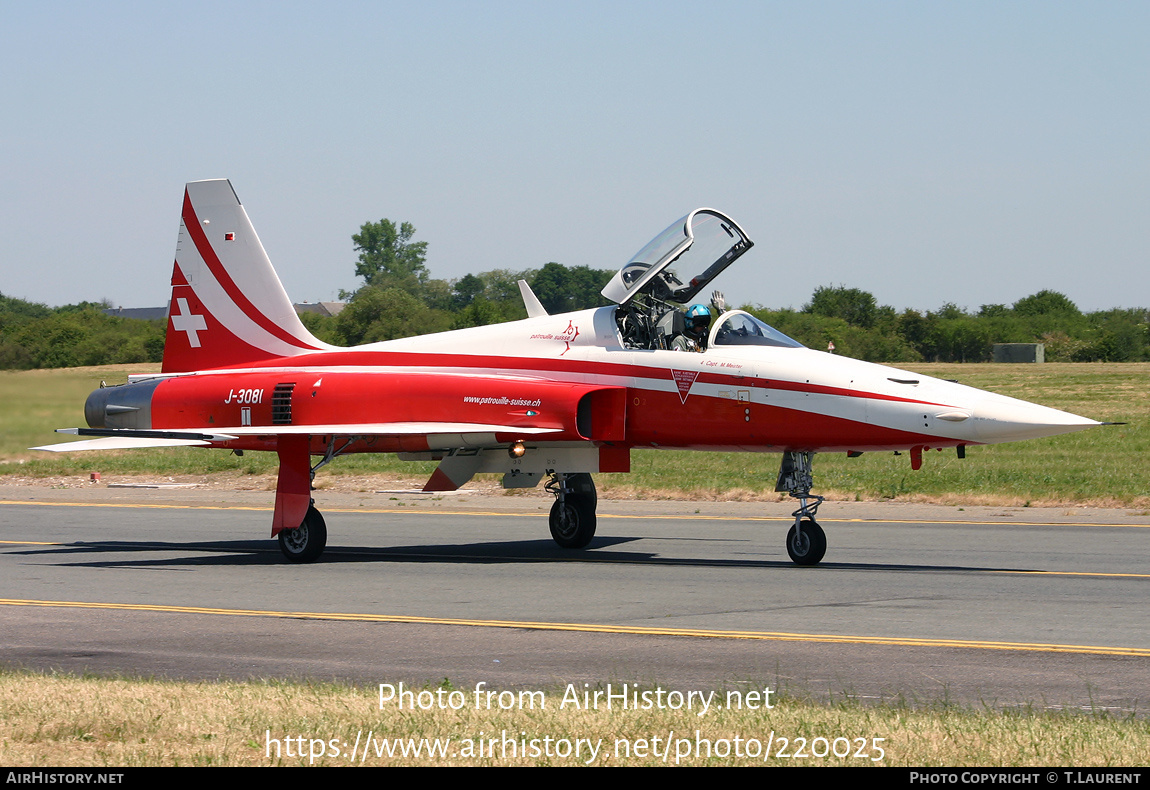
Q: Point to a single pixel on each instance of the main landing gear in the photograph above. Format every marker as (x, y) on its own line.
(573, 514)
(307, 541)
(806, 541)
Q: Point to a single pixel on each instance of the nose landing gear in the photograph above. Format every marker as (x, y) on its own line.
(806, 541)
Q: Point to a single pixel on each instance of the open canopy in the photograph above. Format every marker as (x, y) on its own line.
(701, 245)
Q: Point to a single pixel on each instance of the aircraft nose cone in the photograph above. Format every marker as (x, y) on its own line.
(1002, 419)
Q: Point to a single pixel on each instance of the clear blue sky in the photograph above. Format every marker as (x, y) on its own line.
(928, 152)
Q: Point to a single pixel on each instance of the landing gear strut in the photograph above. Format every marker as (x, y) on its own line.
(305, 541)
(806, 541)
(573, 514)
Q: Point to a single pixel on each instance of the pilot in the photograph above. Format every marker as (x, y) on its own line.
(698, 322)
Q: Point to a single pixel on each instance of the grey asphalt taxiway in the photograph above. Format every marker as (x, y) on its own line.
(994, 606)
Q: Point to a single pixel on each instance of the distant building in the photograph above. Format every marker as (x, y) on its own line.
(322, 308)
(1019, 352)
(138, 313)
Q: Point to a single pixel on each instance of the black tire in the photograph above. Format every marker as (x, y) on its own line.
(306, 542)
(573, 522)
(583, 484)
(808, 550)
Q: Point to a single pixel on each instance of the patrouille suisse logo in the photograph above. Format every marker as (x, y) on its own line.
(683, 381)
(566, 337)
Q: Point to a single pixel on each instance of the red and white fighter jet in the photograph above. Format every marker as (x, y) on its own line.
(550, 397)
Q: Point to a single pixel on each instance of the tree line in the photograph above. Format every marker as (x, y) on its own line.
(36, 336)
(852, 320)
(399, 298)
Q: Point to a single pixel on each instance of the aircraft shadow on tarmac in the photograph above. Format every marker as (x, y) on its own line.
(601, 550)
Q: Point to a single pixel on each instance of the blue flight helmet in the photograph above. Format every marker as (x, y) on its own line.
(698, 320)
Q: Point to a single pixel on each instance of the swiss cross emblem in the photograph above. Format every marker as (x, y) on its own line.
(185, 321)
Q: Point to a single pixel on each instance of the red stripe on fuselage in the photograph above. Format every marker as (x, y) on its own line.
(204, 246)
(494, 365)
(811, 389)
(660, 419)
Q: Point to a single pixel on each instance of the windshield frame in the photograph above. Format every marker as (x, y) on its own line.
(767, 335)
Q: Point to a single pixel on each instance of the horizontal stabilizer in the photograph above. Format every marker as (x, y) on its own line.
(114, 439)
(136, 433)
(120, 443)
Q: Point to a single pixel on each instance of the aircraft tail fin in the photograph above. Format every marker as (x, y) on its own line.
(228, 306)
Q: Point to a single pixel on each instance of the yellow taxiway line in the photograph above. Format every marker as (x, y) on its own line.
(600, 629)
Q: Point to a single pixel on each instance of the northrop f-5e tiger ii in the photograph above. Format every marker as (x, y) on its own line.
(550, 398)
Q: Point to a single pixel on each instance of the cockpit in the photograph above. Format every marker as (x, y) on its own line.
(739, 328)
(652, 297)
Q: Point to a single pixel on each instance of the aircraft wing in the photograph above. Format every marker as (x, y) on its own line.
(384, 429)
(124, 438)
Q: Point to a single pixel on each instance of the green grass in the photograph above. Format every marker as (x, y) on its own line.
(70, 721)
(1101, 466)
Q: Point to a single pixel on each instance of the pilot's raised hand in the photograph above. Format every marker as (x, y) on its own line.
(718, 302)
